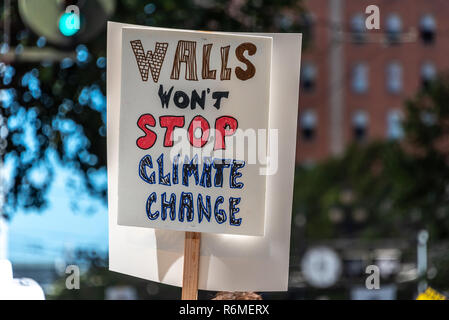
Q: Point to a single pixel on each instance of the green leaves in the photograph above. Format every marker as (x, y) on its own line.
(404, 186)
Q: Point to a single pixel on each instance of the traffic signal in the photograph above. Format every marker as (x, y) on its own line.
(69, 23)
(66, 23)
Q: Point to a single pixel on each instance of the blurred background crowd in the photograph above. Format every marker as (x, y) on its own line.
(372, 175)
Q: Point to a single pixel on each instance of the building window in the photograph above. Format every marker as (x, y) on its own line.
(394, 28)
(394, 77)
(308, 125)
(358, 28)
(427, 29)
(360, 81)
(428, 74)
(360, 125)
(394, 125)
(308, 77)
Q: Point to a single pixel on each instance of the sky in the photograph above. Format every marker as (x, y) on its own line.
(48, 236)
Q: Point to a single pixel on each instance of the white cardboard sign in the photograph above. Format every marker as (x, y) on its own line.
(186, 97)
(227, 262)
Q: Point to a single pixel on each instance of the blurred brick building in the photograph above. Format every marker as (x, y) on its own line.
(354, 81)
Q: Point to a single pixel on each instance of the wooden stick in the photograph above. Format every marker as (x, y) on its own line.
(191, 266)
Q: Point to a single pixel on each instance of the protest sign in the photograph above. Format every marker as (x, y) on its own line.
(227, 261)
(189, 102)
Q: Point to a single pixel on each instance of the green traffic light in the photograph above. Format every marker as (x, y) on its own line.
(69, 24)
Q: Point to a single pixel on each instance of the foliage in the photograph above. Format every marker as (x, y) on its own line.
(426, 173)
(385, 188)
(331, 194)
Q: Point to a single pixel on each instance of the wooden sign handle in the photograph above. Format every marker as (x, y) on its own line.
(191, 266)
